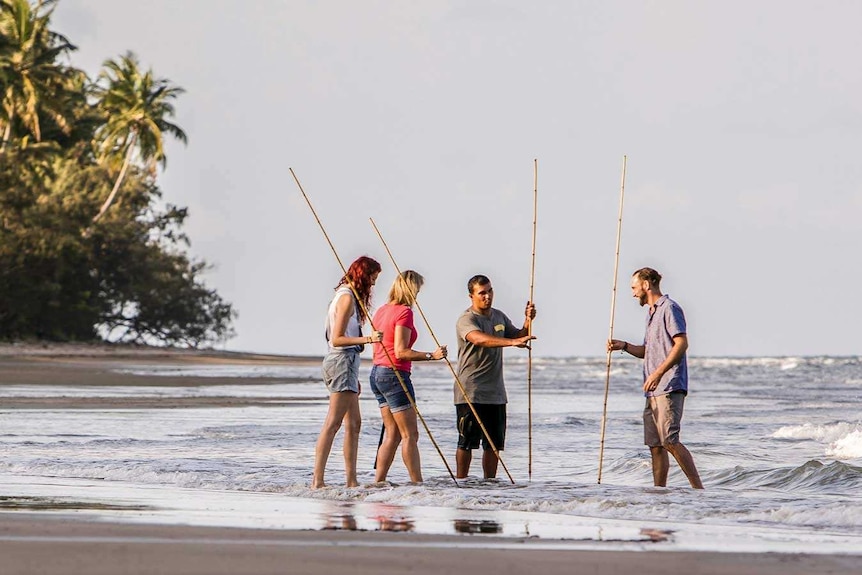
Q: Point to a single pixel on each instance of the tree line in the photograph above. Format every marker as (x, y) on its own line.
(88, 249)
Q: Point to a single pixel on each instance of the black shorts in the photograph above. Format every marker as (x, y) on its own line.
(470, 432)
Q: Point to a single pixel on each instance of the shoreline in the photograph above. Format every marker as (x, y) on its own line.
(126, 351)
(107, 366)
(61, 544)
(145, 353)
(357, 511)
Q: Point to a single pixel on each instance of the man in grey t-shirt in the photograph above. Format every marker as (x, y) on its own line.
(483, 332)
(665, 374)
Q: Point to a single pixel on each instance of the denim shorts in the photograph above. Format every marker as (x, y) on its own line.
(341, 371)
(387, 389)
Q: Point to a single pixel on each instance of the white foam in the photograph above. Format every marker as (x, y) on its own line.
(844, 439)
(789, 363)
(823, 433)
(847, 447)
(830, 516)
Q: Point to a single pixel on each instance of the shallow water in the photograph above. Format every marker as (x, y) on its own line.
(778, 442)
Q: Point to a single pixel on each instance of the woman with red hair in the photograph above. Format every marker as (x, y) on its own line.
(341, 366)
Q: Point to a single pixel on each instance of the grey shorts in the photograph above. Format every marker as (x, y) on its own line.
(662, 418)
(341, 372)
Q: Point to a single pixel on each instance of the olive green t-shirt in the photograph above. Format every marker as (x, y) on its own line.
(480, 369)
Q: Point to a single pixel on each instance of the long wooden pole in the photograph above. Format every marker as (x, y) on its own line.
(365, 312)
(448, 363)
(530, 327)
(613, 309)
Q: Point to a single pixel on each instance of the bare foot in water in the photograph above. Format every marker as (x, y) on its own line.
(317, 484)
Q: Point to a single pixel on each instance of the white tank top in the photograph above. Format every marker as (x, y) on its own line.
(353, 325)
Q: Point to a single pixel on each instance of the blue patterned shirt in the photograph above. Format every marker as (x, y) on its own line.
(665, 321)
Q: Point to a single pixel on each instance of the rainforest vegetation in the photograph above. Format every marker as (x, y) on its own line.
(89, 249)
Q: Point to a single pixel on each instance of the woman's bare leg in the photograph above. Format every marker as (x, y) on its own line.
(352, 427)
(339, 404)
(386, 451)
(406, 421)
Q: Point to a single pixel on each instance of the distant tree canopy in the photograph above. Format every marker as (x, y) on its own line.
(87, 249)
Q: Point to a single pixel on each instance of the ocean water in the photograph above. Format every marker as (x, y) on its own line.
(777, 441)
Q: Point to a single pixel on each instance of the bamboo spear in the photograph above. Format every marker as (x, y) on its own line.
(446, 359)
(530, 328)
(613, 309)
(365, 312)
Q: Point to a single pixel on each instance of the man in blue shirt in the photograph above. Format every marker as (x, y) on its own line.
(665, 373)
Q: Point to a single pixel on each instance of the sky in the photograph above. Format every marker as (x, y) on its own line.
(741, 123)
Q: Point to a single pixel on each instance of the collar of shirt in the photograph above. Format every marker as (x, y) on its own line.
(661, 301)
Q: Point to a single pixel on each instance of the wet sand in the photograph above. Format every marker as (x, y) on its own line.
(100, 365)
(30, 545)
(55, 542)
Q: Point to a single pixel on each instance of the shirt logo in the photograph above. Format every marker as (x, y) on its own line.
(499, 327)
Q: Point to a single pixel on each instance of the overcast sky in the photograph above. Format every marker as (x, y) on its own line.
(742, 123)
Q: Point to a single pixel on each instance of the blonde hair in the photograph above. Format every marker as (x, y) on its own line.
(405, 287)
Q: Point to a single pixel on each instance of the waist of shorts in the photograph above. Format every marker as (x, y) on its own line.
(343, 350)
(378, 366)
(655, 393)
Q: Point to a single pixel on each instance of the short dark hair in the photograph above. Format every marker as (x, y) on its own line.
(478, 279)
(648, 274)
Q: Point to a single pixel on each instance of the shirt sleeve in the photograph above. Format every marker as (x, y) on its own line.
(675, 321)
(405, 318)
(466, 324)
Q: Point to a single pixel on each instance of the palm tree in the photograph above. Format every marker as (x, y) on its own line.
(135, 107)
(29, 73)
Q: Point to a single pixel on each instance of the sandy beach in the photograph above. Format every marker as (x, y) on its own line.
(31, 545)
(49, 539)
(106, 365)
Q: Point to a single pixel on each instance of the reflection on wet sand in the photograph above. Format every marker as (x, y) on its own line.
(391, 518)
(349, 516)
(385, 517)
(339, 522)
(657, 535)
(391, 524)
(477, 526)
(19, 503)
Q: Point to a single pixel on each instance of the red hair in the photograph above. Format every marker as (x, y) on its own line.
(360, 274)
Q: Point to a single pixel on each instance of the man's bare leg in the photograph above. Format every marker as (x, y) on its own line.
(489, 463)
(660, 465)
(463, 457)
(686, 463)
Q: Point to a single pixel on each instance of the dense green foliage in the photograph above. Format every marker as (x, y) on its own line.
(87, 248)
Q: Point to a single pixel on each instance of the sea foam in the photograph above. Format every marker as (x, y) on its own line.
(847, 447)
(822, 433)
(844, 439)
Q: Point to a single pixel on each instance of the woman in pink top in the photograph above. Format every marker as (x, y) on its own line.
(395, 320)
